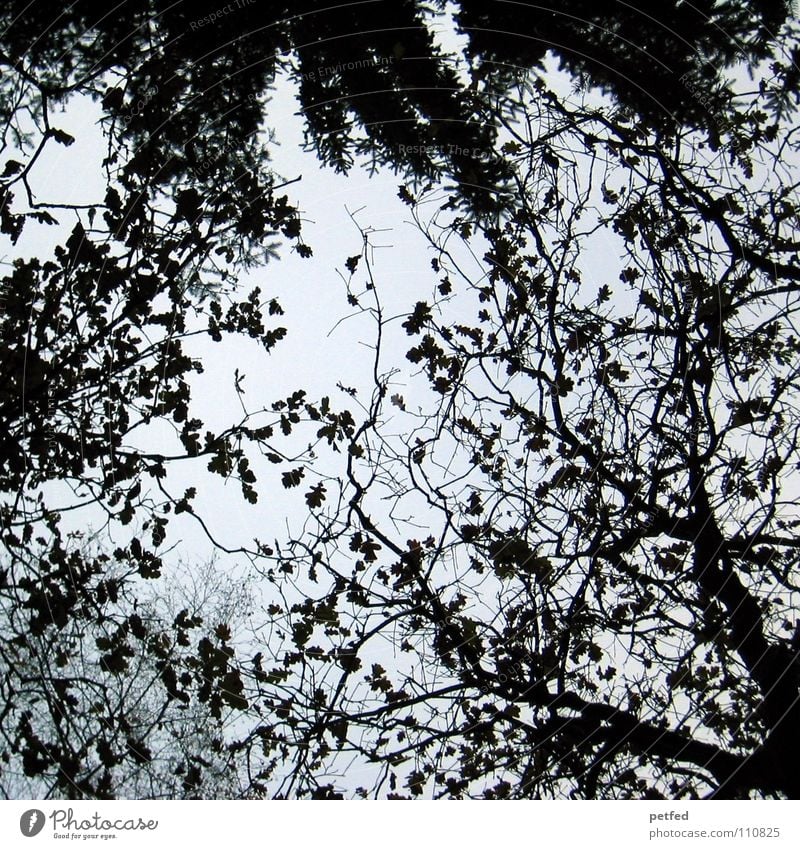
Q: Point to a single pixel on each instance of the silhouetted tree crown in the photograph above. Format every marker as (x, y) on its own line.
(579, 546)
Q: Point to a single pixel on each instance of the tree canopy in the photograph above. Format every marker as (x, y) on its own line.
(568, 567)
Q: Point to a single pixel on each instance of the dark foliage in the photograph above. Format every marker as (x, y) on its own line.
(595, 593)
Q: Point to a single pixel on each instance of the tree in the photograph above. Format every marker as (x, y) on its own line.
(586, 574)
(95, 360)
(118, 697)
(185, 86)
(97, 335)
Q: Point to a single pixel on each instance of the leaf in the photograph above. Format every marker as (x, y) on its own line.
(231, 692)
(139, 751)
(469, 532)
(12, 167)
(370, 549)
(315, 496)
(549, 158)
(339, 728)
(293, 477)
(348, 659)
(747, 412)
(581, 337)
(604, 294)
(187, 205)
(61, 137)
(406, 196)
(416, 782)
(417, 319)
(113, 99)
(301, 631)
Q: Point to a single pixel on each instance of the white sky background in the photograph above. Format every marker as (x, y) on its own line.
(319, 350)
(328, 341)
